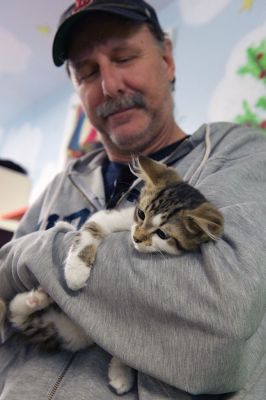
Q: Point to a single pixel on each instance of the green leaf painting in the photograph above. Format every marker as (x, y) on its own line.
(254, 115)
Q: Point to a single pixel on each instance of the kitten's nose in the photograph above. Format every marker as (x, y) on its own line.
(136, 240)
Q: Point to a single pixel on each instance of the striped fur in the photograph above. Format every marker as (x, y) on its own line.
(171, 215)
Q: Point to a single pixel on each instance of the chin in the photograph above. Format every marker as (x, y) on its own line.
(126, 137)
(132, 139)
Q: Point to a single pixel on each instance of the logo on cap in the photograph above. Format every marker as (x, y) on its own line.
(80, 4)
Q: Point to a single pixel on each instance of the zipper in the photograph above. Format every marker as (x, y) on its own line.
(61, 376)
(83, 194)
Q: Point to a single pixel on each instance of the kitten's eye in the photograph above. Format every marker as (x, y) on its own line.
(161, 234)
(141, 214)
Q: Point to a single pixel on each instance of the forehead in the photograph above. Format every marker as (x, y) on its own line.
(101, 29)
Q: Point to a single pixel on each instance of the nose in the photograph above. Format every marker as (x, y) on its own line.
(112, 81)
(136, 240)
(140, 237)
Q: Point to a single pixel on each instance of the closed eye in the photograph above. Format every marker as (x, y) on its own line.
(87, 72)
(124, 60)
(125, 56)
(161, 234)
(88, 76)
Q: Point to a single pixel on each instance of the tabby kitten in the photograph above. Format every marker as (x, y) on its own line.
(170, 216)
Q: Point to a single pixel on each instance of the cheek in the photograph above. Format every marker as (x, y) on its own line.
(166, 246)
(142, 246)
(90, 98)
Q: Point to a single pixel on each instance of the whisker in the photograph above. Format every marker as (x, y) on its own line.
(162, 254)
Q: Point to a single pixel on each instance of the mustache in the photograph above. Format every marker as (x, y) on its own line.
(120, 104)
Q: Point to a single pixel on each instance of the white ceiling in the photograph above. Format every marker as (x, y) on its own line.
(27, 73)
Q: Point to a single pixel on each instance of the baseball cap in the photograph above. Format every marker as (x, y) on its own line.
(135, 10)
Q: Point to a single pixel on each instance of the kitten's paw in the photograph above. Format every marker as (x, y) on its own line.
(38, 299)
(81, 257)
(64, 226)
(27, 303)
(121, 377)
(76, 272)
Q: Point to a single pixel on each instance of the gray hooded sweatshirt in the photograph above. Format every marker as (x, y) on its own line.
(193, 326)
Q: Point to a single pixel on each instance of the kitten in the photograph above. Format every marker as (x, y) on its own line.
(170, 216)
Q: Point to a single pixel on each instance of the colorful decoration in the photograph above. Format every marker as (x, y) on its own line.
(44, 29)
(84, 136)
(81, 3)
(255, 67)
(247, 5)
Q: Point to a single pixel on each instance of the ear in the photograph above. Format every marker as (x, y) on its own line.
(169, 59)
(156, 173)
(205, 219)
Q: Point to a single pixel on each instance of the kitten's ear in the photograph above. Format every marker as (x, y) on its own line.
(205, 219)
(157, 173)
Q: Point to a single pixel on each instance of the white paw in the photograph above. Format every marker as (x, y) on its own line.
(38, 299)
(121, 377)
(64, 226)
(76, 272)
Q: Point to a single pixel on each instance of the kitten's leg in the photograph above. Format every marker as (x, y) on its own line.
(82, 253)
(121, 377)
(26, 303)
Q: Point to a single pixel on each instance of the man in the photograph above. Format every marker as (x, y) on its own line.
(192, 326)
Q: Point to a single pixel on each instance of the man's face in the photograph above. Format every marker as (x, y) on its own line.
(122, 76)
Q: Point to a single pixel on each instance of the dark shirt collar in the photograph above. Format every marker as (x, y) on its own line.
(118, 178)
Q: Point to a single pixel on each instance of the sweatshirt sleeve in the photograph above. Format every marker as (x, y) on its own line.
(40, 250)
(32, 246)
(194, 322)
(197, 321)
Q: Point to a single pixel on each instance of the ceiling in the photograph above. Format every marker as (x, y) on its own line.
(27, 74)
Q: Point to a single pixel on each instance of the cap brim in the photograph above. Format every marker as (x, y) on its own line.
(61, 39)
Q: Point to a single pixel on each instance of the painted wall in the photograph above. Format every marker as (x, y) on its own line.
(220, 70)
(212, 41)
(34, 140)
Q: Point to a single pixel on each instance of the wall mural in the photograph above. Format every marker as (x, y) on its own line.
(254, 114)
(83, 137)
(246, 5)
(241, 96)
